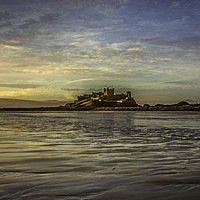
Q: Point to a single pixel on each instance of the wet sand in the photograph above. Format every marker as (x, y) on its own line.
(104, 155)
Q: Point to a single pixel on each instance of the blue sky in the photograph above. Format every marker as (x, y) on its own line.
(56, 50)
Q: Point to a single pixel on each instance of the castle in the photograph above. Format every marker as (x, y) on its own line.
(108, 95)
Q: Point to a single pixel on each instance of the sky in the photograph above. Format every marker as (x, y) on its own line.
(58, 49)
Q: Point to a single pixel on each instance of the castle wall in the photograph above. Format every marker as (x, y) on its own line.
(109, 96)
(109, 92)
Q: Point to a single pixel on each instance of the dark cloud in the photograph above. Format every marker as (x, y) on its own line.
(49, 18)
(28, 23)
(5, 15)
(182, 42)
(5, 24)
(189, 42)
(36, 23)
(178, 82)
(11, 2)
(5, 18)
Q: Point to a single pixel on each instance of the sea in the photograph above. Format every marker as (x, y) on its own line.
(100, 156)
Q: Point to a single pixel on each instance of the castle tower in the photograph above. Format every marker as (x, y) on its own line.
(109, 92)
(129, 95)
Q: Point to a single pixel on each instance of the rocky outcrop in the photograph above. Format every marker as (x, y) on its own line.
(93, 104)
(87, 105)
(115, 106)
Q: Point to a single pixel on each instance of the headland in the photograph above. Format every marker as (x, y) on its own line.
(108, 101)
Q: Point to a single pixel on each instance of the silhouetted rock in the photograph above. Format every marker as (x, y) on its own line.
(182, 103)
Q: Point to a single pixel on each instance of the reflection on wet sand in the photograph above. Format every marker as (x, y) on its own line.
(99, 156)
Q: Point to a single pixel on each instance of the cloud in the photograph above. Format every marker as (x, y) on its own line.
(80, 42)
(5, 15)
(192, 42)
(5, 24)
(36, 22)
(49, 18)
(73, 89)
(56, 69)
(182, 82)
(11, 47)
(77, 81)
(28, 23)
(23, 86)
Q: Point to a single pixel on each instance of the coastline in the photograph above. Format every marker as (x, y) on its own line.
(108, 111)
(96, 107)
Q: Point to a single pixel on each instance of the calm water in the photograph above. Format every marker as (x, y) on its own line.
(75, 156)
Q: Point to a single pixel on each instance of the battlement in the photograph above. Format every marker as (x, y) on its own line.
(109, 92)
(107, 95)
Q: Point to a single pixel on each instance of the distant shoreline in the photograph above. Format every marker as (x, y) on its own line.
(102, 111)
(179, 107)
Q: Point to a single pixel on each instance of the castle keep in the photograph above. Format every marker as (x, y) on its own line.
(108, 96)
